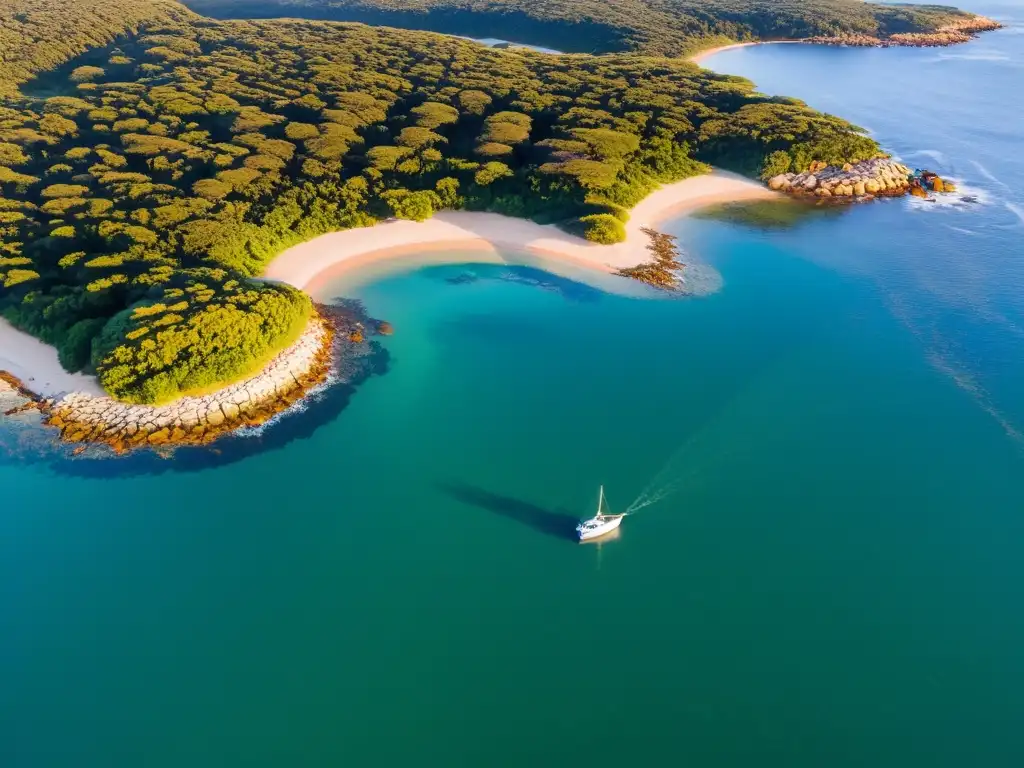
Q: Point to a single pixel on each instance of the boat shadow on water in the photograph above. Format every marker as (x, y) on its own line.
(561, 524)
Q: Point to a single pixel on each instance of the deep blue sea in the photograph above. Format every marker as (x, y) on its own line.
(832, 576)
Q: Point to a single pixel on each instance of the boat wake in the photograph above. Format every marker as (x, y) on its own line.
(683, 469)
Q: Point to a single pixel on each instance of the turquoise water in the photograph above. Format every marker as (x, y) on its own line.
(389, 578)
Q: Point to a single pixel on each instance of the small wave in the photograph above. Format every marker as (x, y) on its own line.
(934, 154)
(313, 395)
(988, 174)
(978, 56)
(961, 230)
(966, 196)
(1015, 210)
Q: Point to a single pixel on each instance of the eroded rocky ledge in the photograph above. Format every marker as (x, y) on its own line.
(306, 364)
(880, 177)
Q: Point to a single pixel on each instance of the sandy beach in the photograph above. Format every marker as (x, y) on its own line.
(455, 231)
(447, 233)
(36, 364)
(697, 58)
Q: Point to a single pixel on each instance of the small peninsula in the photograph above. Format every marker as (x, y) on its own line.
(669, 28)
(156, 164)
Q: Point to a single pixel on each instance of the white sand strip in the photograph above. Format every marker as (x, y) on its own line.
(300, 265)
(699, 57)
(36, 364)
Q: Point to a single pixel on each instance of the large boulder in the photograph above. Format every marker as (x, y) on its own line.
(859, 189)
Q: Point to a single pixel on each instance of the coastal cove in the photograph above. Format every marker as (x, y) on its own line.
(386, 572)
(306, 264)
(84, 415)
(76, 405)
(297, 605)
(141, 200)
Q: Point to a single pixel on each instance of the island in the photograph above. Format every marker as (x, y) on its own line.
(164, 175)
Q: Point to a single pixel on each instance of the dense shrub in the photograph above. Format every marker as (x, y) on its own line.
(603, 228)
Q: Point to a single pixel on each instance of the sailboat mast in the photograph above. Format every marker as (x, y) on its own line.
(600, 501)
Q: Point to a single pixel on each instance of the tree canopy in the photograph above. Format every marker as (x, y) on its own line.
(154, 161)
(654, 27)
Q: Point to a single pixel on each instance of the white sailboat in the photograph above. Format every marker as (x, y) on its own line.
(599, 524)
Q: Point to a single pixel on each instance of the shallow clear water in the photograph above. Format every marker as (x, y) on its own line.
(390, 579)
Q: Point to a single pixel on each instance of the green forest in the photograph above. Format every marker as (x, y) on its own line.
(152, 162)
(653, 27)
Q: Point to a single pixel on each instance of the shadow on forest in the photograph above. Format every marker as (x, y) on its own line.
(560, 524)
(297, 424)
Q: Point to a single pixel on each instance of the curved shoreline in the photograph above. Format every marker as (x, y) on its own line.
(707, 53)
(303, 265)
(92, 419)
(955, 33)
(84, 413)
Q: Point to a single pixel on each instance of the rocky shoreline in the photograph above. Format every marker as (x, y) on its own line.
(881, 177)
(89, 420)
(85, 418)
(954, 33)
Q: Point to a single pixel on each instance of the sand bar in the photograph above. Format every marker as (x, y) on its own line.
(457, 231)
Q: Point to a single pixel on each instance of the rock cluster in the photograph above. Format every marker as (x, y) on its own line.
(15, 397)
(869, 178)
(88, 419)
